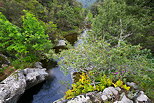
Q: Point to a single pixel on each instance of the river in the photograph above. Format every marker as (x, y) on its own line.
(87, 3)
(57, 84)
(54, 87)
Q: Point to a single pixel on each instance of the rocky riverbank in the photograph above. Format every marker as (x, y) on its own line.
(109, 95)
(15, 85)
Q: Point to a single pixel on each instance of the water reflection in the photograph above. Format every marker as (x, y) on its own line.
(54, 88)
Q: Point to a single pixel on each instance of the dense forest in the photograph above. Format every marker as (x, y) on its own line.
(29, 28)
(118, 47)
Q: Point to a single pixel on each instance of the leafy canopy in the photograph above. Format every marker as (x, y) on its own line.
(28, 42)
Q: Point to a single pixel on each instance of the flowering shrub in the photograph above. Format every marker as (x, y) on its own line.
(87, 84)
(125, 62)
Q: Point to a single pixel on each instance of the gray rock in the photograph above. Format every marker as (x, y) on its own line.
(132, 84)
(95, 96)
(38, 65)
(130, 95)
(61, 43)
(13, 86)
(142, 97)
(108, 93)
(118, 89)
(101, 97)
(104, 97)
(62, 100)
(121, 95)
(80, 99)
(91, 93)
(118, 102)
(34, 76)
(113, 90)
(126, 100)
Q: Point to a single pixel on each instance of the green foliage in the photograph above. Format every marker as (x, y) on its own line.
(10, 37)
(22, 65)
(131, 21)
(99, 54)
(123, 19)
(145, 81)
(85, 85)
(28, 43)
(36, 40)
(119, 83)
(70, 17)
(67, 14)
(126, 60)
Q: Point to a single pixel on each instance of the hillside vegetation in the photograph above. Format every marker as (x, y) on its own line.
(118, 47)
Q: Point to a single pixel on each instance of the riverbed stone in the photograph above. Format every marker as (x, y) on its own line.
(62, 100)
(113, 90)
(12, 87)
(126, 100)
(34, 76)
(104, 97)
(142, 97)
(80, 99)
(108, 93)
(38, 65)
(118, 89)
(61, 43)
(15, 85)
(95, 96)
(118, 102)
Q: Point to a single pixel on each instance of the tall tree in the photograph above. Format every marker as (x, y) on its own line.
(119, 20)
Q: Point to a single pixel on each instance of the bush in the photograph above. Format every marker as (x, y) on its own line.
(28, 43)
(125, 61)
(87, 84)
(125, 20)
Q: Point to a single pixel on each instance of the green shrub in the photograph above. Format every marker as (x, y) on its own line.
(125, 20)
(124, 61)
(28, 43)
(86, 84)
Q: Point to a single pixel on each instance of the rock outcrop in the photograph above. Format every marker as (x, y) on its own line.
(109, 95)
(13, 86)
(61, 43)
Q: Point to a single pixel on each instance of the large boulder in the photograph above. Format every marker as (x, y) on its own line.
(34, 76)
(13, 86)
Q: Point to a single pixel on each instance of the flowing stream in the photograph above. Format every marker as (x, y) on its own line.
(87, 3)
(55, 87)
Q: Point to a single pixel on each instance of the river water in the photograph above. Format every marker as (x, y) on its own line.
(55, 87)
(87, 3)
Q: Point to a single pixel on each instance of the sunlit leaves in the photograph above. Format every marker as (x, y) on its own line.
(120, 83)
(30, 41)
